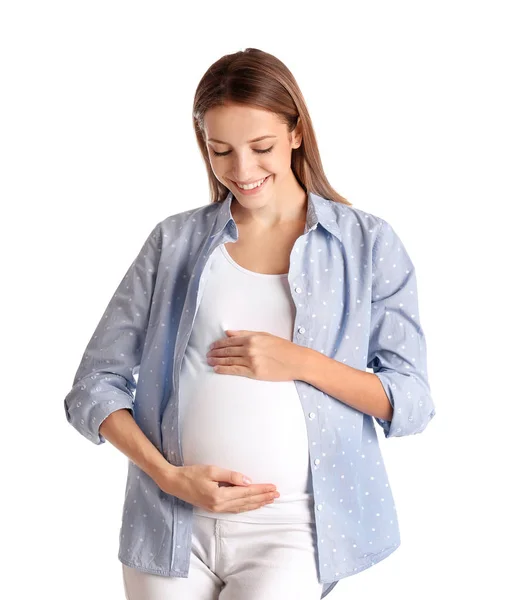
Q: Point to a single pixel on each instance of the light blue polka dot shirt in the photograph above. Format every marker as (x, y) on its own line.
(350, 272)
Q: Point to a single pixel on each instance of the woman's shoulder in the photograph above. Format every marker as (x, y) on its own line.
(203, 211)
(353, 219)
(192, 219)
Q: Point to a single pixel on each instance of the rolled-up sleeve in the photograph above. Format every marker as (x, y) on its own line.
(104, 381)
(397, 351)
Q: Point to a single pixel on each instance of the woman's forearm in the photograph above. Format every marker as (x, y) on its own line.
(122, 431)
(359, 389)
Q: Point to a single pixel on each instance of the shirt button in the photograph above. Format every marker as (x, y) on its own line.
(311, 415)
(317, 461)
(319, 507)
(301, 330)
(297, 290)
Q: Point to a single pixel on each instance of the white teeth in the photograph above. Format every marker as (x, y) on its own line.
(251, 186)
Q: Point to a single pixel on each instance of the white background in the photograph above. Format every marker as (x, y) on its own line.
(421, 111)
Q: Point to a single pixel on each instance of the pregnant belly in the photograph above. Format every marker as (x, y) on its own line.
(251, 426)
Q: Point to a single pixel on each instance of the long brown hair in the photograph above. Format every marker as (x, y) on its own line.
(259, 79)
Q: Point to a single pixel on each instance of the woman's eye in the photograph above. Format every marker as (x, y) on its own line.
(228, 151)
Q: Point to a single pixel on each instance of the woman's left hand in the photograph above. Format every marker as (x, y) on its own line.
(257, 355)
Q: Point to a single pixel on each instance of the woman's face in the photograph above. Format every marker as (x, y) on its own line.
(235, 158)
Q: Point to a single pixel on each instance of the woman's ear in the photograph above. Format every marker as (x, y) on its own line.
(297, 133)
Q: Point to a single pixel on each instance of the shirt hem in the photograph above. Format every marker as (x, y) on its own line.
(374, 559)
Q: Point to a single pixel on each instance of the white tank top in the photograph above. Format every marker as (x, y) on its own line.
(247, 425)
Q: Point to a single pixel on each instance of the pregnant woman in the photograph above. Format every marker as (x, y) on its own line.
(251, 324)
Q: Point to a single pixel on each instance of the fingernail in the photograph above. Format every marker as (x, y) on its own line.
(246, 480)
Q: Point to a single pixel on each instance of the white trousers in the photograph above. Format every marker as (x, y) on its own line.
(232, 560)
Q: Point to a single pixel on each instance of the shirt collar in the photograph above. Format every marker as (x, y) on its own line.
(319, 210)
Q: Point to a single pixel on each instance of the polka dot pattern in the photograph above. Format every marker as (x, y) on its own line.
(354, 288)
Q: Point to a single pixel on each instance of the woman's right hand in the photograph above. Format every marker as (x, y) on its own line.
(216, 489)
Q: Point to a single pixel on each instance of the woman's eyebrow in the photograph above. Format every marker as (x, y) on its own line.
(249, 141)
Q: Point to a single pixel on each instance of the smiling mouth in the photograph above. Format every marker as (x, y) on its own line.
(262, 181)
